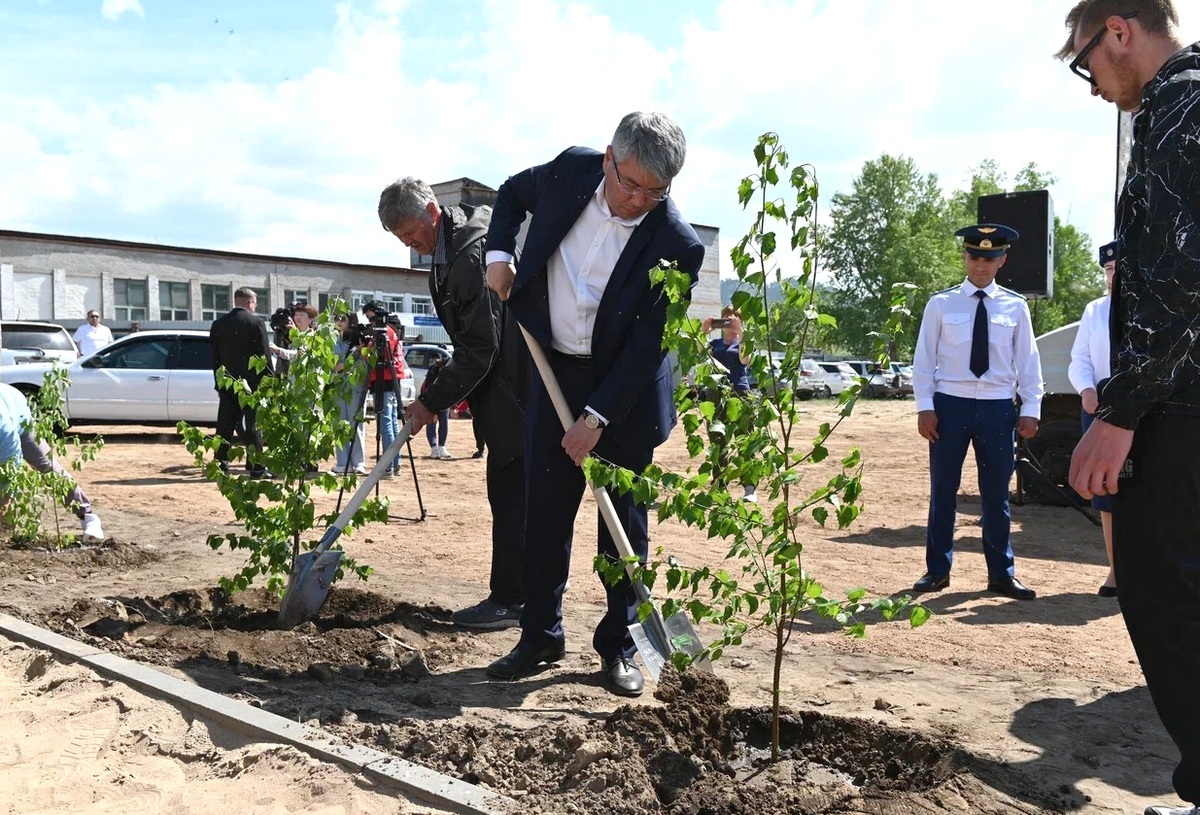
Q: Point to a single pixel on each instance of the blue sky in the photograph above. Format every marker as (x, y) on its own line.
(271, 127)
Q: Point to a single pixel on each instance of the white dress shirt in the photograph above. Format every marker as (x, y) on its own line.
(578, 273)
(91, 338)
(1090, 361)
(941, 362)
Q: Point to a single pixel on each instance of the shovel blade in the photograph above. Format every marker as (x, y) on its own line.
(658, 638)
(308, 586)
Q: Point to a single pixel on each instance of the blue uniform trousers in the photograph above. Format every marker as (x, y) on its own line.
(988, 425)
(554, 489)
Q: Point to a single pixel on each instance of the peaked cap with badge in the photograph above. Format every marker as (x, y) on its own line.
(987, 240)
(1108, 252)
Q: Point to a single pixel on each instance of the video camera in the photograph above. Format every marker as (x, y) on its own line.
(282, 316)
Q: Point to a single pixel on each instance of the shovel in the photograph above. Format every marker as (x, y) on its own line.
(312, 571)
(657, 638)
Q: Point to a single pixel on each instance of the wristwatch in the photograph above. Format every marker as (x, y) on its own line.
(592, 421)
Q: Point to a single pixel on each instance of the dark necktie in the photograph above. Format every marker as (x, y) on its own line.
(979, 337)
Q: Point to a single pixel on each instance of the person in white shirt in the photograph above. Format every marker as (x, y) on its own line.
(1090, 368)
(91, 336)
(975, 351)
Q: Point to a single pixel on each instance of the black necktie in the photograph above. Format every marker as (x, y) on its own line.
(979, 338)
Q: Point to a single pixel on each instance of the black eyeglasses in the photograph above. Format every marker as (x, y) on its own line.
(1077, 66)
(648, 194)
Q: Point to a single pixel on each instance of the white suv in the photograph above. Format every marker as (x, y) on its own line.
(24, 342)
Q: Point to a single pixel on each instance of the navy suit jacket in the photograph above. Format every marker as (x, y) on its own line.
(633, 383)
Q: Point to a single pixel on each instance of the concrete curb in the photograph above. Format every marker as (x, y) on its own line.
(426, 785)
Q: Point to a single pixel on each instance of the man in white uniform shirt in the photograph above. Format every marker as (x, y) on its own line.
(91, 336)
(975, 351)
(1090, 368)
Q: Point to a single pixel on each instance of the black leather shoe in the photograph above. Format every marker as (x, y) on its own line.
(932, 582)
(1011, 587)
(524, 660)
(622, 677)
(1107, 591)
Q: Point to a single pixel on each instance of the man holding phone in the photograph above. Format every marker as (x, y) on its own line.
(727, 350)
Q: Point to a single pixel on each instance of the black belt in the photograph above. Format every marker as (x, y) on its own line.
(572, 359)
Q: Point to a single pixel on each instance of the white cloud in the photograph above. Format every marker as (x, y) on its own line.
(113, 9)
(295, 166)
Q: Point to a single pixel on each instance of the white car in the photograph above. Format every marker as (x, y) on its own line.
(419, 358)
(151, 377)
(838, 376)
(25, 342)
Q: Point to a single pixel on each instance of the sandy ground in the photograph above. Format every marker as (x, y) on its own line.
(1046, 693)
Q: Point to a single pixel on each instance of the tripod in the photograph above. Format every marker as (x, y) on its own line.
(384, 363)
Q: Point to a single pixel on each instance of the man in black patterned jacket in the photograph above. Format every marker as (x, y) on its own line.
(488, 366)
(1144, 447)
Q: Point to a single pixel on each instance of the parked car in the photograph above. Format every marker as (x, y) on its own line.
(902, 379)
(151, 377)
(419, 359)
(810, 381)
(23, 342)
(147, 378)
(878, 384)
(838, 376)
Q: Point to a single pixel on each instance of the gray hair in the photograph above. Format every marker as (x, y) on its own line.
(653, 141)
(407, 199)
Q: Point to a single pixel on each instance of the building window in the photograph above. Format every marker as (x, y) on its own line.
(293, 296)
(418, 261)
(131, 300)
(262, 303)
(214, 301)
(422, 305)
(173, 301)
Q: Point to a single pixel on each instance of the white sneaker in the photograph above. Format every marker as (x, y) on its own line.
(750, 496)
(1165, 810)
(444, 453)
(91, 527)
(361, 469)
(434, 452)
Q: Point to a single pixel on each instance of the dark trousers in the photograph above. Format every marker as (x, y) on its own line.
(555, 488)
(1156, 553)
(988, 425)
(506, 494)
(231, 417)
(436, 436)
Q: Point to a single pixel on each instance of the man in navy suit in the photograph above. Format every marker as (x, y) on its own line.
(600, 223)
(235, 338)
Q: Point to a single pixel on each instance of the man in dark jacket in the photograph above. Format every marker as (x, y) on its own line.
(599, 222)
(235, 338)
(488, 366)
(1144, 446)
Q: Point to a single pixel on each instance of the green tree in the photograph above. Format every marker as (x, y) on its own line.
(892, 227)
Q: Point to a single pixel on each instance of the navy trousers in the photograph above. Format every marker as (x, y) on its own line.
(554, 489)
(1156, 553)
(988, 425)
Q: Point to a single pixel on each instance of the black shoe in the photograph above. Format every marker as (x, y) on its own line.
(622, 677)
(1107, 591)
(932, 582)
(477, 454)
(1011, 587)
(524, 660)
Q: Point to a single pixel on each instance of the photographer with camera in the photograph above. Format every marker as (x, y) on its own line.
(388, 368)
(727, 351)
(351, 458)
(300, 316)
(489, 366)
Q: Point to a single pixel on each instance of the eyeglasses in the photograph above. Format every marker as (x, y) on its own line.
(630, 189)
(1077, 66)
(90, 316)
